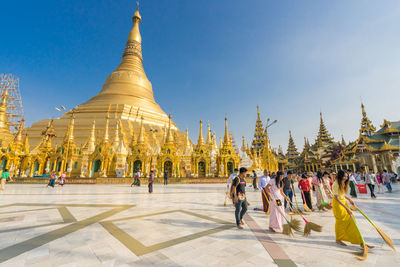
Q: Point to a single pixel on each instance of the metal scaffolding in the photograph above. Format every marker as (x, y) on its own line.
(15, 110)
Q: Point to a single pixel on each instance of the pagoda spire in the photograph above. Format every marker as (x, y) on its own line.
(292, 150)
(227, 138)
(208, 139)
(69, 136)
(200, 140)
(220, 142)
(106, 137)
(367, 129)
(323, 135)
(19, 139)
(343, 141)
(5, 133)
(243, 148)
(214, 142)
(116, 140)
(259, 134)
(170, 137)
(141, 139)
(92, 138)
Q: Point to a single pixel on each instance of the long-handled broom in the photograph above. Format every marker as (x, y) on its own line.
(298, 208)
(269, 205)
(324, 204)
(292, 224)
(365, 247)
(387, 239)
(310, 226)
(305, 206)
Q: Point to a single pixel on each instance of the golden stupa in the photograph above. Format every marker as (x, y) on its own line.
(126, 98)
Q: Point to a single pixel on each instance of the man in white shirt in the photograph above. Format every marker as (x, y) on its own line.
(228, 184)
(231, 177)
(370, 180)
(262, 184)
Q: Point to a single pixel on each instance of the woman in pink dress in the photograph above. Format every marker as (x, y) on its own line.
(276, 195)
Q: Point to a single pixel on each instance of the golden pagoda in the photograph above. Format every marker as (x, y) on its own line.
(127, 96)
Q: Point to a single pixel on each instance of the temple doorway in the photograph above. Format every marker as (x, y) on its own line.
(95, 168)
(168, 168)
(137, 166)
(230, 166)
(202, 169)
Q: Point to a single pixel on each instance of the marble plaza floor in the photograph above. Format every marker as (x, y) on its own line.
(177, 225)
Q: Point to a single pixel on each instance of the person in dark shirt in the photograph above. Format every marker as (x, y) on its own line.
(239, 194)
(288, 189)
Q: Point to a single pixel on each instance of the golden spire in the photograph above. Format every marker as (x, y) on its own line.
(367, 129)
(258, 113)
(187, 140)
(170, 137)
(69, 136)
(92, 138)
(208, 139)
(116, 140)
(18, 137)
(220, 142)
(106, 137)
(243, 148)
(214, 144)
(5, 134)
(26, 144)
(227, 138)
(200, 140)
(141, 133)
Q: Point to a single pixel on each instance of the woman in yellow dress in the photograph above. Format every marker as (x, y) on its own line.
(345, 227)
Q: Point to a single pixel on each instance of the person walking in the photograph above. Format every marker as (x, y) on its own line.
(288, 189)
(262, 184)
(151, 180)
(276, 194)
(353, 184)
(305, 186)
(4, 176)
(62, 179)
(165, 177)
(52, 179)
(370, 180)
(379, 180)
(387, 179)
(239, 193)
(318, 183)
(255, 180)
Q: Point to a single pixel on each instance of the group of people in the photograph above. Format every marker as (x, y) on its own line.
(138, 174)
(330, 190)
(61, 179)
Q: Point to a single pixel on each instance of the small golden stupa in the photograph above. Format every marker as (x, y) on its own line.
(126, 98)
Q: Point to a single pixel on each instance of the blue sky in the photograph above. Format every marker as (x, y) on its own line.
(206, 59)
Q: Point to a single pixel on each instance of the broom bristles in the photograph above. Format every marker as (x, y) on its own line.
(295, 224)
(315, 227)
(307, 229)
(287, 230)
(365, 253)
(387, 239)
(306, 208)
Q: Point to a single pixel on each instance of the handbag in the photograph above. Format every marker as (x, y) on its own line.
(241, 196)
